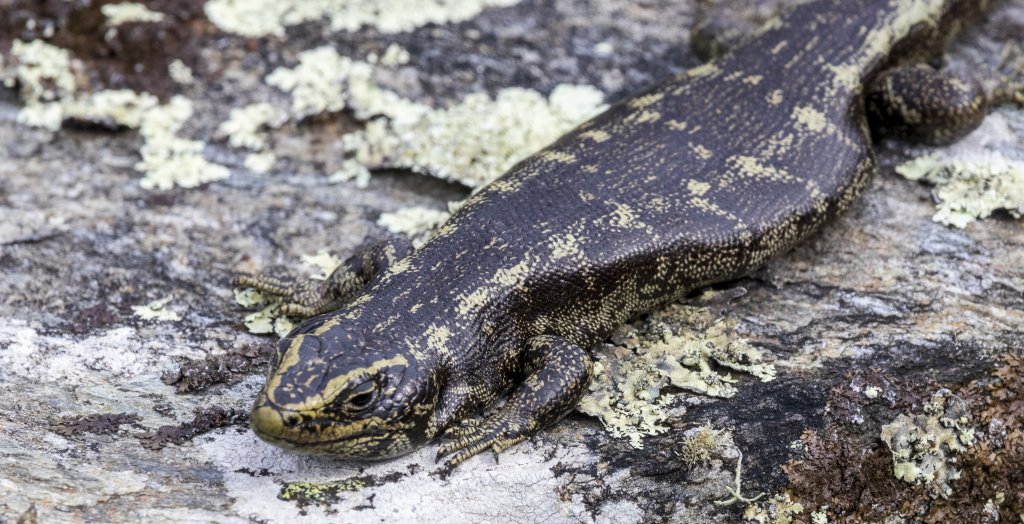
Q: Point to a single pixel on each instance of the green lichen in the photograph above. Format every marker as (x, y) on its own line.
(970, 189)
(269, 318)
(321, 494)
(924, 447)
(779, 509)
(257, 18)
(678, 346)
(415, 222)
(155, 310)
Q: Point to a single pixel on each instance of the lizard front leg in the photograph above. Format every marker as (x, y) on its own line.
(561, 376)
(309, 297)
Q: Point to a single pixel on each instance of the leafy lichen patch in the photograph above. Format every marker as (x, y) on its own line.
(318, 493)
(257, 18)
(44, 76)
(129, 12)
(415, 222)
(169, 160)
(112, 107)
(246, 126)
(156, 310)
(778, 509)
(676, 346)
(924, 447)
(476, 140)
(972, 178)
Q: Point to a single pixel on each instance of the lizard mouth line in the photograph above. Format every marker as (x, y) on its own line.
(314, 442)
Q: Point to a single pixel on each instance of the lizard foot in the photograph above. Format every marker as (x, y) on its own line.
(497, 433)
(303, 298)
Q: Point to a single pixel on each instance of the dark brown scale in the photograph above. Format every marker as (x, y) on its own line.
(700, 179)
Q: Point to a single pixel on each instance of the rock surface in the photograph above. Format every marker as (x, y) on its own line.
(120, 405)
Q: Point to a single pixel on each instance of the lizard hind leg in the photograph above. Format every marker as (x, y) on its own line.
(309, 297)
(922, 104)
(561, 376)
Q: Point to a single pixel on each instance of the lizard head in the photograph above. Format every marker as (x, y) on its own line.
(333, 393)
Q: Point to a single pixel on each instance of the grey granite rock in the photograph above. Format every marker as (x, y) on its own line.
(111, 415)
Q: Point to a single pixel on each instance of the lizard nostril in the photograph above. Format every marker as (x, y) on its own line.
(292, 420)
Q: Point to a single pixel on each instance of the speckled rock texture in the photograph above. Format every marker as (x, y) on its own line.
(126, 371)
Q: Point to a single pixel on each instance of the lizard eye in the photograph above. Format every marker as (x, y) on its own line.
(362, 397)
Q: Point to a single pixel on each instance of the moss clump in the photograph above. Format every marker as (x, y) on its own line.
(699, 445)
(320, 494)
(847, 472)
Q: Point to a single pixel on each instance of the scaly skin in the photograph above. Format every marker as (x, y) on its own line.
(697, 180)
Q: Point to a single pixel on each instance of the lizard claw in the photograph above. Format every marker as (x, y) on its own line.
(303, 298)
(496, 433)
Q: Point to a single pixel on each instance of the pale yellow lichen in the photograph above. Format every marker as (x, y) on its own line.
(973, 177)
(394, 55)
(779, 509)
(415, 222)
(256, 18)
(924, 447)
(155, 311)
(260, 162)
(246, 126)
(674, 346)
(352, 170)
(120, 107)
(124, 13)
(323, 261)
(972, 188)
(169, 160)
(44, 75)
(476, 140)
(179, 72)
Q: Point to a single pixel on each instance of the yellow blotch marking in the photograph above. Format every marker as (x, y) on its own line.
(810, 117)
(778, 144)
(558, 156)
(624, 216)
(596, 135)
(676, 125)
(472, 301)
(700, 151)
(753, 80)
(506, 185)
(707, 69)
(563, 246)
(333, 387)
(709, 206)
(775, 98)
(590, 168)
(697, 187)
(437, 338)
(399, 267)
(779, 47)
(415, 308)
(642, 117)
(734, 75)
(512, 276)
(752, 167)
(847, 76)
(641, 102)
